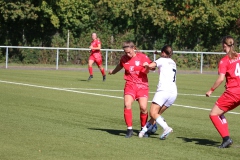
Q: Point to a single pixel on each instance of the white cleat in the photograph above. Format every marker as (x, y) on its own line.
(165, 133)
(141, 134)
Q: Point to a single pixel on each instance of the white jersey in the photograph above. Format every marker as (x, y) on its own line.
(167, 75)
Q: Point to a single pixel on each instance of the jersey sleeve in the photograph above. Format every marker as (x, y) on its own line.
(222, 66)
(144, 59)
(99, 42)
(158, 62)
(147, 59)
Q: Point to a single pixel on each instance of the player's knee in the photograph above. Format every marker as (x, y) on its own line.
(128, 105)
(154, 115)
(100, 66)
(89, 64)
(144, 110)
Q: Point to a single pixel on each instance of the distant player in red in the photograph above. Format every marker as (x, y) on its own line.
(136, 86)
(229, 68)
(95, 56)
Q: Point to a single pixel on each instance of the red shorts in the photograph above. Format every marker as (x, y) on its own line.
(135, 91)
(228, 101)
(97, 58)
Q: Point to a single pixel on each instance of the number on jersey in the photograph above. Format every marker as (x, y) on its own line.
(237, 70)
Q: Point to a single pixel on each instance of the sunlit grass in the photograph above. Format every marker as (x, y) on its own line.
(57, 114)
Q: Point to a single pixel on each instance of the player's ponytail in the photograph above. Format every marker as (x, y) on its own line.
(229, 41)
(168, 50)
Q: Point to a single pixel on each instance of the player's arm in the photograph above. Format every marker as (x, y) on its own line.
(147, 68)
(96, 48)
(150, 66)
(116, 69)
(217, 83)
(99, 46)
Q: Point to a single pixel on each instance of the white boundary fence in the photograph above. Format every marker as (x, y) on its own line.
(106, 53)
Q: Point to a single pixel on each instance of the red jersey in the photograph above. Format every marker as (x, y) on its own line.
(134, 69)
(95, 43)
(231, 69)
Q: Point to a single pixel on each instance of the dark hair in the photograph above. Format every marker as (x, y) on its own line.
(229, 41)
(168, 50)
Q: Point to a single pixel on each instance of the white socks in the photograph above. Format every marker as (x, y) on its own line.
(160, 120)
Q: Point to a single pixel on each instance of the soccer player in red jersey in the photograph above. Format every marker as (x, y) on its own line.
(229, 68)
(136, 86)
(95, 56)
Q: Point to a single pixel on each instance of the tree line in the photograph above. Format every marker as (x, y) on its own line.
(189, 25)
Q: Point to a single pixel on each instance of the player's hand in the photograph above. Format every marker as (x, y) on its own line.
(208, 93)
(145, 64)
(110, 72)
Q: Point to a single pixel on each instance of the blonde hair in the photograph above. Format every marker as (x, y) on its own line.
(128, 44)
(229, 41)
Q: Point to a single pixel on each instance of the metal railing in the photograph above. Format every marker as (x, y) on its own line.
(106, 53)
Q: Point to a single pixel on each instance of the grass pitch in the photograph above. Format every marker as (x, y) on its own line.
(58, 115)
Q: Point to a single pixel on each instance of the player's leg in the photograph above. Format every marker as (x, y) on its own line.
(170, 99)
(220, 123)
(100, 66)
(153, 111)
(143, 103)
(223, 104)
(163, 100)
(128, 100)
(142, 98)
(160, 120)
(150, 123)
(90, 69)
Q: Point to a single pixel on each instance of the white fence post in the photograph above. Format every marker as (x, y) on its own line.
(106, 60)
(57, 59)
(6, 58)
(201, 63)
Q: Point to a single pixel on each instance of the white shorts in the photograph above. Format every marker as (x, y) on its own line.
(164, 98)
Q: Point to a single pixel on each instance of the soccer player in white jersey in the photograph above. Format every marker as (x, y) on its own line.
(166, 92)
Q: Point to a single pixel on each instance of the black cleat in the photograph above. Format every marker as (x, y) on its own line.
(129, 133)
(104, 78)
(226, 144)
(90, 77)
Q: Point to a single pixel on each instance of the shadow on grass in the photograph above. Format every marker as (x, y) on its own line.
(199, 141)
(119, 132)
(115, 132)
(84, 80)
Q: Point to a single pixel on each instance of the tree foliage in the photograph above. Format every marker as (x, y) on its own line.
(185, 24)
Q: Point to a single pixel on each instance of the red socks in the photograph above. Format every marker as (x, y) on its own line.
(103, 72)
(90, 70)
(143, 118)
(220, 124)
(128, 117)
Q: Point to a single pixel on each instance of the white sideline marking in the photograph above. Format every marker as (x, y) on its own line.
(181, 94)
(206, 109)
(69, 90)
(91, 89)
(59, 89)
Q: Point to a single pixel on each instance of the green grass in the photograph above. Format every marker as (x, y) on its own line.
(58, 115)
